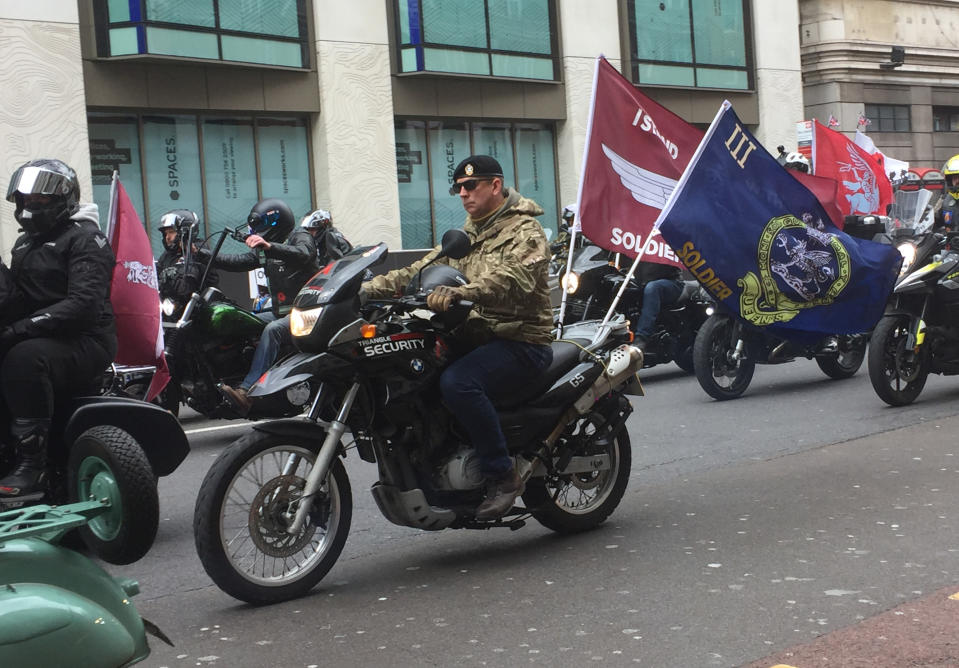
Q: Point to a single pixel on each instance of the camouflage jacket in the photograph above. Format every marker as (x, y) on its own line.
(506, 270)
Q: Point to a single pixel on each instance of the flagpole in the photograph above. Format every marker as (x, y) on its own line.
(111, 214)
(579, 191)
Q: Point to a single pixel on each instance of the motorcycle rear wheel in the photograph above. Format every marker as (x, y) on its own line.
(847, 361)
(245, 503)
(107, 462)
(581, 501)
(897, 374)
(718, 374)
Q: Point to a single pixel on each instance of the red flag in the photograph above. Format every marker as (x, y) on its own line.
(636, 151)
(864, 187)
(826, 191)
(133, 293)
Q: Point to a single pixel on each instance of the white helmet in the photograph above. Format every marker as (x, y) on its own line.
(316, 220)
(797, 161)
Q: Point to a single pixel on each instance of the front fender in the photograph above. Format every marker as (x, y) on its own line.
(156, 430)
(298, 428)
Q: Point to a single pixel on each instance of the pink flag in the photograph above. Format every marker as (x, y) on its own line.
(636, 151)
(133, 293)
(864, 187)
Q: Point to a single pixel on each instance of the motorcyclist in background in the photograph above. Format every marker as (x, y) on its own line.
(64, 335)
(288, 257)
(948, 205)
(330, 242)
(797, 161)
(174, 279)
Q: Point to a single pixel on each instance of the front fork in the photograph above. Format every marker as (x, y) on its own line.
(918, 337)
(736, 335)
(324, 458)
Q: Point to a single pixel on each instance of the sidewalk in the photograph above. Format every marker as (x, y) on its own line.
(923, 633)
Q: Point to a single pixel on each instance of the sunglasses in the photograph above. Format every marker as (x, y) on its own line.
(469, 184)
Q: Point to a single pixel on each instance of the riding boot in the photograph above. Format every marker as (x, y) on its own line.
(500, 495)
(28, 475)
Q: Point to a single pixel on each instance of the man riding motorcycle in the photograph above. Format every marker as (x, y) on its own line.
(510, 327)
(63, 336)
(949, 204)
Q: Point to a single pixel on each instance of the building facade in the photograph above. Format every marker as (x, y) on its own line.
(850, 70)
(363, 108)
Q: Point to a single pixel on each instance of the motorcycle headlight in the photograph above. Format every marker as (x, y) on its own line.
(302, 322)
(908, 252)
(168, 306)
(570, 282)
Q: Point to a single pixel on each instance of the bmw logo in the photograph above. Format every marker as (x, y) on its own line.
(416, 365)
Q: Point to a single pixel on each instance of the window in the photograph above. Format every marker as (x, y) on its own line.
(945, 119)
(427, 152)
(506, 38)
(690, 43)
(888, 117)
(218, 166)
(267, 32)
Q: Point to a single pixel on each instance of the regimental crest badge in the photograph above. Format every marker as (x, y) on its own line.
(137, 272)
(468, 169)
(800, 266)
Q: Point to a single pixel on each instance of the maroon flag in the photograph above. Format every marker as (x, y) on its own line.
(636, 151)
(133, 292)
(864, 187)
(826, 191)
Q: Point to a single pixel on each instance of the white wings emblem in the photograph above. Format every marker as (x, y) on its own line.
(647, 187)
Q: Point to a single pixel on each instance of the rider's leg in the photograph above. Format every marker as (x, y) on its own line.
(655, 294)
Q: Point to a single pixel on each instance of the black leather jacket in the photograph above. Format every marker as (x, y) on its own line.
(288, 266)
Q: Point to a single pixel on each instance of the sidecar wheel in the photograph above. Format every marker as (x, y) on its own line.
(897, 373)
(847, 361)
(718, 374)
(242, 511)
(107, 463)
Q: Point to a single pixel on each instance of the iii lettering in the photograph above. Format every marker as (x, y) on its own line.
(738, 153)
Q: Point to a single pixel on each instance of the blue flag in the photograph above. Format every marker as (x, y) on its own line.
(761, 243)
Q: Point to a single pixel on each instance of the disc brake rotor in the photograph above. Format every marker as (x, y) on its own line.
(272, 511)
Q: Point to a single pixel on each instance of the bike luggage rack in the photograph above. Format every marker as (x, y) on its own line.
(48, 522)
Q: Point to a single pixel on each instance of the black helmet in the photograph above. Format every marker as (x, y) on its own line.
(183, 221)
(272, 219)
(434, 276)
(44, 177)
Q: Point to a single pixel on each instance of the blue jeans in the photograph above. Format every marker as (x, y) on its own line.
(274, 336)
(655, 294)
(491, 370)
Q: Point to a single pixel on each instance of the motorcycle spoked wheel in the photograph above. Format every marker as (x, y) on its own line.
(846, 363)
(580, 501)
(245, 503)
(718, 374)
(106, 462)
(897, 374)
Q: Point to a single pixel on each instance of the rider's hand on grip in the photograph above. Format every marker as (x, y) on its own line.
(442, 298)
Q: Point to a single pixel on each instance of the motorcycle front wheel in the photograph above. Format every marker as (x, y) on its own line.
(246, 502)
(845, 364)
(718, 372)
(580, 501)
(897, 373)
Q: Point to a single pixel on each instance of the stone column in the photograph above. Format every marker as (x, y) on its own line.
(42, 109)
(778, 72)
(588, 29)
(354, 154)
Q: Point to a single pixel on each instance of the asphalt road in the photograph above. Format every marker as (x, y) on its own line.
(748, 527)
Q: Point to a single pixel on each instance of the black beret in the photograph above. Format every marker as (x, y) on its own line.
(478, 165)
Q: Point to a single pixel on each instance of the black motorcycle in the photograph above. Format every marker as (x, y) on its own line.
(594, 280)
(919, 332)
(107, 450)
(211, 341)
(728, 349)
(274, 510)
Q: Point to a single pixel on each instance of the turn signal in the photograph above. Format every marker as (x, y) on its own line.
(368, 331)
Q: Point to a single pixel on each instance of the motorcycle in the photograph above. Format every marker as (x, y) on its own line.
(111, 449)
(594, 280)
(274, 510)
(918, 334)
(727, 350)
(211, 342)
